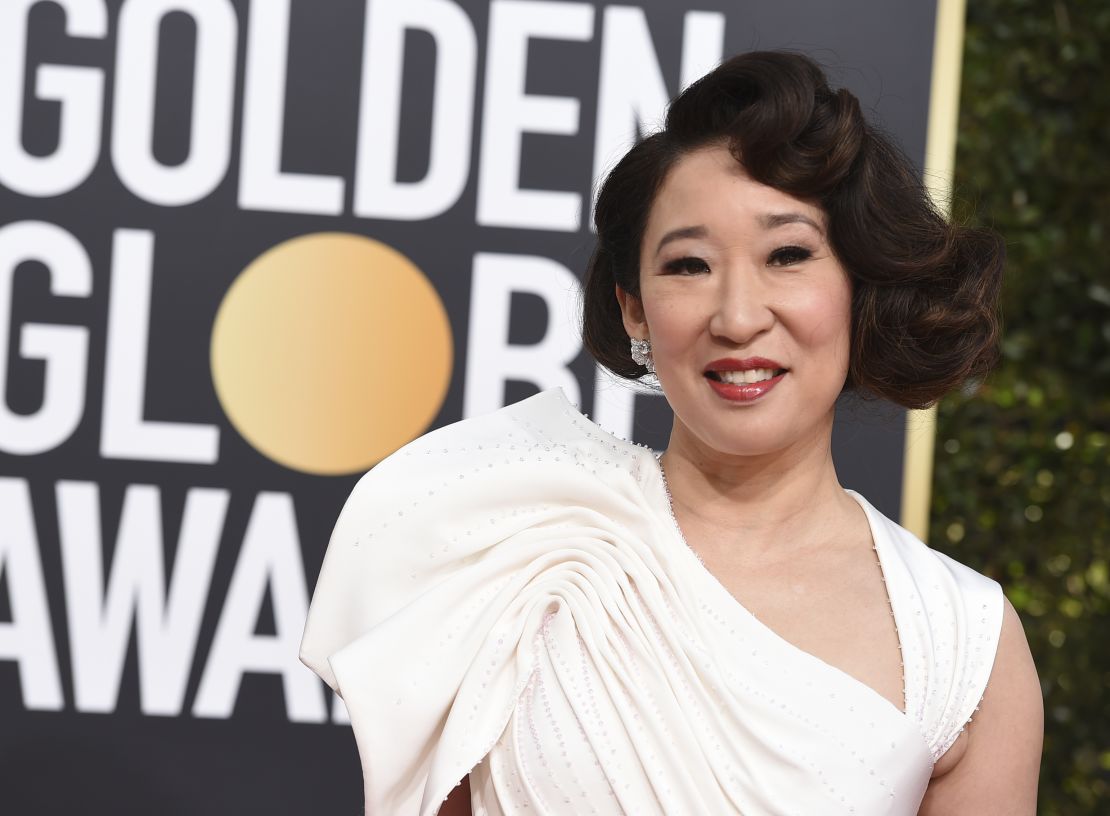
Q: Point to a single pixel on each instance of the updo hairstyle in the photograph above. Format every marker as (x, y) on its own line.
(924, 290)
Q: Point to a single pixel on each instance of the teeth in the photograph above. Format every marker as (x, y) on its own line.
(752, 375)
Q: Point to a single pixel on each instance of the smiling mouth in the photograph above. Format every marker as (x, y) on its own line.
(743, 377)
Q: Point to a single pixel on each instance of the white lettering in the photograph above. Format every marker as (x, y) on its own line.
(79, 92)
(632, 96)
(28, 639)
(63, 349)
(270, 557)
(490, 359)
(703, 44)
(508, 112)
(124, 432)
(263, 185)
(213, 101)
(100, 621)
(377, 192)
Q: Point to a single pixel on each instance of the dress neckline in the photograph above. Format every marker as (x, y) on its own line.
(879, 545)
(884, 548)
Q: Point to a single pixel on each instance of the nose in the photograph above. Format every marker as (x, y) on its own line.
(744, 308)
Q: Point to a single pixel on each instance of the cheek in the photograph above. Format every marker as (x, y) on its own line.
(824, 319)
(673, 318)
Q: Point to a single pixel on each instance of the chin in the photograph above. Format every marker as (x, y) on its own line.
(743, 448)
(754, 431)
(739, 438)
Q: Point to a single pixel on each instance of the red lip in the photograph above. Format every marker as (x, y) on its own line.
(733, 364)
(744, 392)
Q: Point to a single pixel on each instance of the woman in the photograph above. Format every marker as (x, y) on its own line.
(525, 603)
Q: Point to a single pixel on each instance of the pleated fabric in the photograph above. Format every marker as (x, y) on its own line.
(509, 596)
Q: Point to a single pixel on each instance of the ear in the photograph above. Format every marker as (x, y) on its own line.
(632, 313)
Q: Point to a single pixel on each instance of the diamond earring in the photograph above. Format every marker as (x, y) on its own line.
(641, 354)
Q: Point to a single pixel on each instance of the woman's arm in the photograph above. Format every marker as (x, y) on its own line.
(458, 801)
(998, 772)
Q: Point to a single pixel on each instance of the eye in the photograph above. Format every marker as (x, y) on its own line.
(681, 266)
(790, 255)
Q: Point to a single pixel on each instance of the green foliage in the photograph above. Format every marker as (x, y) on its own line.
(1022, 486)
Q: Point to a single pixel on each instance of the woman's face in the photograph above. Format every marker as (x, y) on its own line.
(732, 269)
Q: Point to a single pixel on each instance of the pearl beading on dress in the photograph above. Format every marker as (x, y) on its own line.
(912, 707)
(535, 443)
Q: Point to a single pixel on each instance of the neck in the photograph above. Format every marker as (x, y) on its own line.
(783, 499)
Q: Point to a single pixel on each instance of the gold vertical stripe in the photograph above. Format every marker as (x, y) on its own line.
(940, 158)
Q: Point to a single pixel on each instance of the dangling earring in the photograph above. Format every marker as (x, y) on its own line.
(641, 354)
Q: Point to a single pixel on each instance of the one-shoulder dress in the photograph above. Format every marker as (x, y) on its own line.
(509, 596)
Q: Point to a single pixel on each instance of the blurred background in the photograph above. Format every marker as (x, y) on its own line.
(1021, 485)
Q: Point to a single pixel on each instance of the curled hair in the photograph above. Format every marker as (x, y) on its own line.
(924, 290)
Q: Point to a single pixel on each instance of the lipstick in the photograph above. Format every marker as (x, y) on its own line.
(743, 392)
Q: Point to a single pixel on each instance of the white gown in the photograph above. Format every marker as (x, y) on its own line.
(509, 596)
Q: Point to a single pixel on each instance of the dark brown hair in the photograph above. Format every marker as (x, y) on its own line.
(924, 290)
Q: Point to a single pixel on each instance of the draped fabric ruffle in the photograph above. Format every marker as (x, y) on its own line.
(508, 595)
(441, 568)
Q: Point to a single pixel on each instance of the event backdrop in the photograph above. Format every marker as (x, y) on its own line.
(248, 249)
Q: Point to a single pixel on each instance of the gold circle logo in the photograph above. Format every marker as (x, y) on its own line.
(330, 351)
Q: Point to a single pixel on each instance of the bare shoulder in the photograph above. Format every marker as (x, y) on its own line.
(997, 772)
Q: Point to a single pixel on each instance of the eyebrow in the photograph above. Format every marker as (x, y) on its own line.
(767, 221)
(773, 220)
(697, 231)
